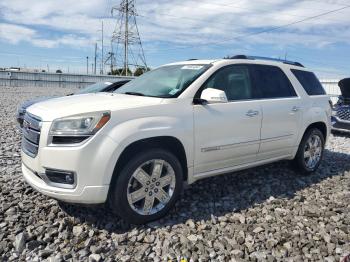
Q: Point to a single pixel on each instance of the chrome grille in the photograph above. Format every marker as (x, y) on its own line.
(31, 134)
(344, 113)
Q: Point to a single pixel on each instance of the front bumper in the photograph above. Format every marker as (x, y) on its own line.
(340, 125)
(92, 162)
(88, 194)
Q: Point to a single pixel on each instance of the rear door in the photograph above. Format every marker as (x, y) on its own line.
(281, 109)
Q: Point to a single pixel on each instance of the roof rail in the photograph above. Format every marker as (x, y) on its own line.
(192, 59)
(266, 58)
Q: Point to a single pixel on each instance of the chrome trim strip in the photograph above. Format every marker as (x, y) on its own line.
(222, 147)
(34, 131)
(341, 130)
(252, 142)
(341, 120)
(31, 143)
(31, 136)
(27, 150)
(276, 138)
(34, 117)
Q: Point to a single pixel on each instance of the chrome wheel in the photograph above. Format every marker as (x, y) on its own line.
(313, 151)
(151, 187)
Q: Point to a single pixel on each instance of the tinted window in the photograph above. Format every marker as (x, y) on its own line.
(272, 82)
(234, 80)
(309, 82)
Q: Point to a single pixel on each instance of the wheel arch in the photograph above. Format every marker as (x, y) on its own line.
(169, 143)
(320, 126)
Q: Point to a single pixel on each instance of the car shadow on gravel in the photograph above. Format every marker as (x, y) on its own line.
(226, 194)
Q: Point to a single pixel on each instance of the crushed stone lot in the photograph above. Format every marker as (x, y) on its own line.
(268, 213)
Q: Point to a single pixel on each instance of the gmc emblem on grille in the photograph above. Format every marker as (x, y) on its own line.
(26, 124)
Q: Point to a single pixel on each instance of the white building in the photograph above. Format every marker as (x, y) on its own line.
(332, 88)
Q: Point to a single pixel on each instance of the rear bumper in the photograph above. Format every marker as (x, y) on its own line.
(340, 125)
(87, 195)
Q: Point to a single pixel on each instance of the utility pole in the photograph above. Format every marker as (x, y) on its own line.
(102, 63)
(127, 39)
(126, 42)
(95, 58)
(112, 57)
(87, 65)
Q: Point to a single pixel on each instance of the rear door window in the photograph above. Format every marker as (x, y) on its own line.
(309, 81)
(272, 82)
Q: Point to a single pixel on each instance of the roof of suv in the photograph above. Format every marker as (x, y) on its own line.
(247, 60)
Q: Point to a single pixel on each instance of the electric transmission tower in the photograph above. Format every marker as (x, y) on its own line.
(126, 40)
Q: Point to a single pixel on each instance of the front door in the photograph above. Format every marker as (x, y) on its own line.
(227, 134)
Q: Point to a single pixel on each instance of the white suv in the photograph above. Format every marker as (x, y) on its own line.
(134, 149)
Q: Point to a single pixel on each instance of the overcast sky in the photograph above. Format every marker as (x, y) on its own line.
(61, 33)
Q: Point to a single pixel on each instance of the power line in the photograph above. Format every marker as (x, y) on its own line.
(145, 16)
(323, 2)
(227, 23)
(265, 30)
(239, 7)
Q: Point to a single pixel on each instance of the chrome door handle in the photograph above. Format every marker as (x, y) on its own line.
(252, 113)
(295, 108)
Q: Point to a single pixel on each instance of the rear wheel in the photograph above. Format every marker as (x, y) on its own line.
(147, 186)
(310, 151)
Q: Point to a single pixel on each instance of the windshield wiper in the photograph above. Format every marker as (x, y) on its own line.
(134, 93)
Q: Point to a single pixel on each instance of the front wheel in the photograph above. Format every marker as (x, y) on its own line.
(310, 151)
(147, 186)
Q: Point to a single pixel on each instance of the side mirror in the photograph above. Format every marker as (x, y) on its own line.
(212, 95)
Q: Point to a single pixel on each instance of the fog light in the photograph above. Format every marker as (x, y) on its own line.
(70, 179)
(60, 176)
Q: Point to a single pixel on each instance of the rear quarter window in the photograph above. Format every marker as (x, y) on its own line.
(309, 81)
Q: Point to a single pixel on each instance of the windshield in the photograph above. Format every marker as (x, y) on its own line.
(98, 87)
(167, 81)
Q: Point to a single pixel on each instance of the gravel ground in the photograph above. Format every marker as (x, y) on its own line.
(268, 213)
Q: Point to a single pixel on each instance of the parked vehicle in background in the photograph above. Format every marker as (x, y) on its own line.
(97, 87)
(135, 148)
(341, 110)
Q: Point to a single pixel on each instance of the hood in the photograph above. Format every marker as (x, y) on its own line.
(345, 87)
(79, 104)
(28, 103)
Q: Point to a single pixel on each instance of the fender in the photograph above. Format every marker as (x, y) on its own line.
(134, 130)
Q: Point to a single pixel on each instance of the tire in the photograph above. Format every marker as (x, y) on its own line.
(301, 161)
(121, 199)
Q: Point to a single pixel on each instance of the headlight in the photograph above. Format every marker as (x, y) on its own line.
(79, 125)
